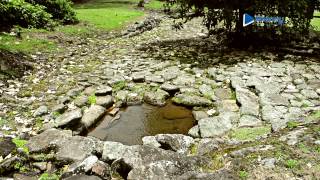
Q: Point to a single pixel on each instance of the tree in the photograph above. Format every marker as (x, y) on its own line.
(228, 14)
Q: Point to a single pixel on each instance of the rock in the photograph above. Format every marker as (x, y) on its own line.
(68, 148)
(292, 137)
(154, 78)
(81, 101)
(268, 162)
(310, 94)
(8, 164)
(169, 88)
(134, 99)
(318, 91)
(82, 177)
(199, 115)
(102, 170)
(157, 98)
(6, 146)
(251, 121)
(245, 151)
(82, 166)
(114, 111)
(92, 115)
(223, 94)
(150, 141)
(74, 92)
(176, 142)
(184, 80)
(59, 108)
(42, 110)
(249, 102)
(69, 118)
(113, 151)
(104, 101)
(103, 90)
(227, 106)
(206, 90)
(273, 99)
(207, 146)
(275, 115)
(40, 165)
(214, 126)
(138, 77)
(194, 132)
(191, 100)
(122, 96)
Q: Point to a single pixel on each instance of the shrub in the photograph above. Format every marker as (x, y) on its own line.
(19, 12)
(59, 9)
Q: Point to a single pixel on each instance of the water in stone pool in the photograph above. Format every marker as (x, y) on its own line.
(138, 121)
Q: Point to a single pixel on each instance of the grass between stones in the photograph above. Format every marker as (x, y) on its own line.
(21, 144)
(250, 133)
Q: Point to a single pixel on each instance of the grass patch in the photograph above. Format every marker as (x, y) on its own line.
(47, 176)
(316, 21)
(92, 99)
(25, 44)
(155, 4)
(292, 124)
(119, 85)
(243, 174)
(21, 144)
(108, 14)
(291, 163)
(250, 133)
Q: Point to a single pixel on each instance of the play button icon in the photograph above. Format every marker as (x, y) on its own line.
(247, 20)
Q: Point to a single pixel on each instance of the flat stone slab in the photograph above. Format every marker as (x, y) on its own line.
(191, 100)
(69, 118)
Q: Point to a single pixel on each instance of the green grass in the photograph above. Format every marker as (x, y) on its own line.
(109, 18)
(316, 21)
(155, 4)
(21, 144)
(243, 174)
(47, 176)
(291, 163)
(25, 44)
(108, 14)
(250, 133)
(92, 99)
(292, 124)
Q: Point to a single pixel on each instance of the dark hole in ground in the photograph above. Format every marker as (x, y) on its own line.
(145, 120)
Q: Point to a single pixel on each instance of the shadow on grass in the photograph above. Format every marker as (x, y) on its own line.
(96, 4)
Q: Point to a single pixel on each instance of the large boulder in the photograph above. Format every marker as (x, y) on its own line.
(92, 115)
(157, 98)
(69, 118)
(218, 125)
(176, 142)
(249, 102)
(67, 148)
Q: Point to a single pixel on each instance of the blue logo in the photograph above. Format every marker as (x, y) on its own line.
(248, 19)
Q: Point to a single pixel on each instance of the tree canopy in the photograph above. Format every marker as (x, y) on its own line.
(228, 13)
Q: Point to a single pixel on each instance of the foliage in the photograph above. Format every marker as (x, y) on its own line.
(59, 9)
(291, 163)
(243, 174)
(92, 99)
(19, 12)
(292, 124)
(228, 13)
(21, 144)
